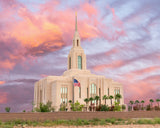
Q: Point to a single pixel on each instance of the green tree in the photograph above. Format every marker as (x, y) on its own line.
(117, 107)
(105, 98)
(123, 107)
(45, 107)
(131, 102)
(86, 100)
(91, 99)
(96, 98)
(137, 104)
(151, 101)
(158, 100)
(142, 102)
(77, 106)
(7, 109)
(104, 108)
(111, 97)
(118, 97)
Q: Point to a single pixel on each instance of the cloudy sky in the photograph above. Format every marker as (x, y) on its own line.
(121, 39)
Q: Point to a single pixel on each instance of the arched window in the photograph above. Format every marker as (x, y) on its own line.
(69, 62)
(64, 95)
(79, 62)
(93, 91)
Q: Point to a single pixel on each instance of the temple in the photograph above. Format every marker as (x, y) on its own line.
(60, 89)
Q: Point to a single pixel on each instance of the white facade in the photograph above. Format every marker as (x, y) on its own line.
(59, 89)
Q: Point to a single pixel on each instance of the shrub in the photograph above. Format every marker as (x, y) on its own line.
(135, 108)
(24, 110)
(104, 108)
(110, 120)
(148, 107)
(7, 109)
(63, 107)
(96, 119)
(111, 108)
(45, 107)
(156, 108)
(117, 107)
(98, 108)
(102, 122)
(129, 108)
(157, 120)
(145, 121)
(77, 106)
(123, 107)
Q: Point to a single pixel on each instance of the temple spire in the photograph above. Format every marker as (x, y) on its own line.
(76, 22)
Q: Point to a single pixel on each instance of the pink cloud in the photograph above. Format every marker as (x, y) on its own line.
(113, 64)
(2, 82)
(43, 75)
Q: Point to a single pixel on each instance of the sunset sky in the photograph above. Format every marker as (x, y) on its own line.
(121, 39)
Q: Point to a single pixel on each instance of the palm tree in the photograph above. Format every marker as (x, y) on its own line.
(137, 103)
(118, 97)
(91, 99)
(111, 97)
(86, 100)
(158, 100)
(142, 102)
(131, 102)
(151, 100)
(96, 98)
(105, 98)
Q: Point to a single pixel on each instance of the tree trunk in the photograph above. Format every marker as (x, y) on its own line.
(111, 102)
(105, 101)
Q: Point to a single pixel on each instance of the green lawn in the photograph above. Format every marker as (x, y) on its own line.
(79, 122)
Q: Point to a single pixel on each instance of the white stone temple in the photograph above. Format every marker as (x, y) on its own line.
(60, 89)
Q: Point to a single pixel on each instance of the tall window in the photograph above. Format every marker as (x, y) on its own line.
(79, 62)
(64, 93)
(93, 91)
(79, 92)
(117, 91)
(69, 62)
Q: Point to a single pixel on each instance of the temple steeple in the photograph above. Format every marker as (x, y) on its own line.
(76, 57)
(76, 38)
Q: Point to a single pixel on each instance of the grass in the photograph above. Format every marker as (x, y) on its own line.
(79, 122)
